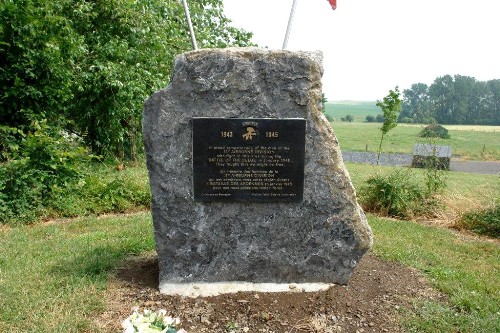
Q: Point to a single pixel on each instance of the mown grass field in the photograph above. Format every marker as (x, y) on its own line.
(466, 144)
(359, 110)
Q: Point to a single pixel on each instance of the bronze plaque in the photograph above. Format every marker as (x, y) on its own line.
(254, 160)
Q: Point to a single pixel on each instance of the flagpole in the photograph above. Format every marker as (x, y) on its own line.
(289, 27)
(191, 31)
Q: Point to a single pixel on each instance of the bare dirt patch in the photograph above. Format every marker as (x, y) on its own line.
(372, 301)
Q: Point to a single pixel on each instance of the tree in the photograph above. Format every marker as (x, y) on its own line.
(391, 106)
(39, 49)
(452, 100)
(370, 119)
(415, 104)
(323, 104)
(131, 57)
(441, 93)
(87, 66)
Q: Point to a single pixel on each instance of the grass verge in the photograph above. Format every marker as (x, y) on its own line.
(466, 270)
(51, 276)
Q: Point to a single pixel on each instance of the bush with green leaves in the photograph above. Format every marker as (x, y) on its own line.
(10, 137)
(348, 118)
(401, 193)
(48, 161)
(485, 222)
(434, 131)
(395, 194)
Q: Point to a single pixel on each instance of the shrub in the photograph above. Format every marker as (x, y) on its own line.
(9, 142)
(102, 190)
(434, 131)
(21, 192)
(396, 194)
(485, 222)
(370, 119)
(401, 193)
(47, 161)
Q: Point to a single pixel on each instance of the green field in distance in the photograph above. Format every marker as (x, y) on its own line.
(359, 110)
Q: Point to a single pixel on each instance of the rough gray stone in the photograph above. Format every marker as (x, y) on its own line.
(320, 239)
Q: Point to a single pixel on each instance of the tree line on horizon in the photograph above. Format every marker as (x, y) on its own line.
(453, 100)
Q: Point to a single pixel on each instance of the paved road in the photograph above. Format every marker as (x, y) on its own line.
(482, 167)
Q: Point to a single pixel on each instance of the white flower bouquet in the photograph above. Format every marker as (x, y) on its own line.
(151, 322)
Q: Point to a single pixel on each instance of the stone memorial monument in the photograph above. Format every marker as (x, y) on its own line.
(246, 173)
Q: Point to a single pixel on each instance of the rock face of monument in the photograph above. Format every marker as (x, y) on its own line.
(319, 239)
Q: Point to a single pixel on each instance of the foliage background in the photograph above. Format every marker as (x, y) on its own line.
(87, 66)
(74, 75)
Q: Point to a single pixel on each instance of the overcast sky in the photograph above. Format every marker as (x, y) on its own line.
(371, 46)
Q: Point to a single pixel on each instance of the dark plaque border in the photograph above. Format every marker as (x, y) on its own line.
(248, 160)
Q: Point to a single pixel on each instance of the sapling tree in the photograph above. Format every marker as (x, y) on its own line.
(391, 106)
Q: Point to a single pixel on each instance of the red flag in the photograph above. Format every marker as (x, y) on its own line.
(333, 3)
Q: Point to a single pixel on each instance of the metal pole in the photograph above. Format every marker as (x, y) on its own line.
(191, 31)
(289, 27)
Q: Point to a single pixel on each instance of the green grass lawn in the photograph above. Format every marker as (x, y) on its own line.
(52, 276)
(466, 144)
(466, 270)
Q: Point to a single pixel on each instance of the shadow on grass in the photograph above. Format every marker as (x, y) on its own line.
(97, 263)
(141, 271)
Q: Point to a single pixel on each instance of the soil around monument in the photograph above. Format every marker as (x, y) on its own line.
(372, 302)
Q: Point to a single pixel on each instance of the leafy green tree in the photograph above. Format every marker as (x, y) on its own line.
(323, 104)
(453, 100)
(391, 106)
(370, 119)
(87, 66)
(441, 93)
(416, 104)
(131, 56)
(39, 50)
(491, 105)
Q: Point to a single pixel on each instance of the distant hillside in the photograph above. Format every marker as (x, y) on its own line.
(358, 109)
